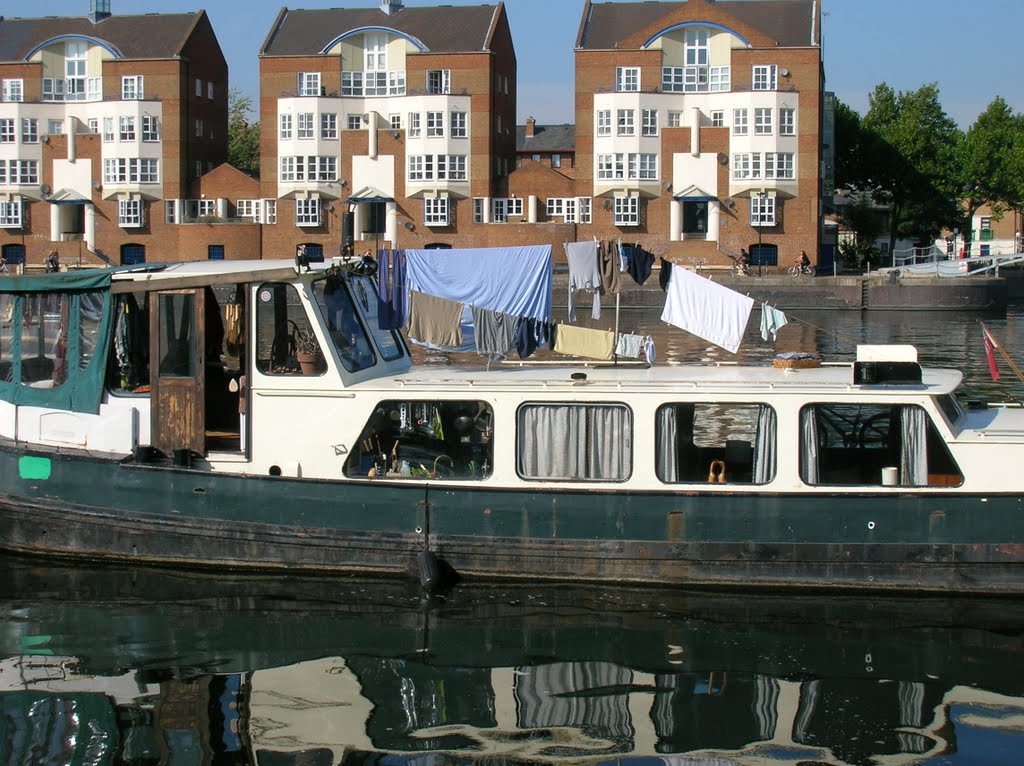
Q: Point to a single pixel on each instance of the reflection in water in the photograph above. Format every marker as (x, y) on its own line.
(143, 667)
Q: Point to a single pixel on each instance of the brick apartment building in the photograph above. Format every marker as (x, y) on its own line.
(699, 126)
(106, 122)
(401, 117)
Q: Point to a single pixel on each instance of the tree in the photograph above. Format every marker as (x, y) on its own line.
(243, 136)
(912, 161)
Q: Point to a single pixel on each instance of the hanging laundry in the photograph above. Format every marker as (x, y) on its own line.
(434, 320)
(493, 332)
(649, 349)
(664, 274)
(391, 289)
(511, 280)
(707, 309)
(583, 341)
(639, 262)
(771, 320)
(611, 270)
(629, 346)
(584, 274)
(531, 334)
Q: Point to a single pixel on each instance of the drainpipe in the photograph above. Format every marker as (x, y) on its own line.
(675, 224)
(72, 130)
(371, 119)
(695, 132)
(531, 209)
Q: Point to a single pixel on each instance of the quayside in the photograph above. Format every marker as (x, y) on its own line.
(267, 415)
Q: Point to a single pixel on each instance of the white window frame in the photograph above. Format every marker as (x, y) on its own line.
(129, 213)
(787, 121)
(604, 122)
(108, 129)
(150, 128)
(627, 79)
(351, 83)
(126, 128)
(625, 122)
(458, 125)
(763, 120)
(53, 89)
(209, 90)
(308, 83)
(12, 89)
(285, 127)
(354, 121)
(414, 125)
(435, 124)
(675, 119)
(740, 125)
(649, 122)
(308, 212)
(395, 121)
(93, 123)
(324, 169)
(55, 127)
(764, 77)
(94, 89)
(439, 81)
(436, 211)
(132, 87)
(288, 169)
(583, 208)
(11, 212)
(304, 130)
(328, 125)
(8, 134)
(199, 129)
(719, 79)
(29, 130)
(762, 210)
(76, 62)
(626, 211)
(696, 46)
(717, 118)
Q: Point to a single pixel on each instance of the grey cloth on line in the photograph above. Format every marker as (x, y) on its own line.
(584, 274)
(629, 345)
(493, 331)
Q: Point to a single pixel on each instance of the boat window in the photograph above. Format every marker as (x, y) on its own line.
(875, 445)
(43, 340)
(388, 341)
(343, 324)
(128, 372)
(718, 443)
(425, 439)
(575, 442)
(176, 335)
(285, 342)
(950, 407)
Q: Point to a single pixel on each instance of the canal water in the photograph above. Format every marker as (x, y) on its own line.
(111, 665)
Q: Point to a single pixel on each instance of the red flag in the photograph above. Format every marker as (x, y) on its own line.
(990, 353)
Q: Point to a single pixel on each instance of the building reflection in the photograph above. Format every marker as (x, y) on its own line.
(372, 710)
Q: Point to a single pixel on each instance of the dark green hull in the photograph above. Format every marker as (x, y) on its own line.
(75, 505)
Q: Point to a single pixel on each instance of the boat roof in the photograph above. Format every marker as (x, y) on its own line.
(682, 378)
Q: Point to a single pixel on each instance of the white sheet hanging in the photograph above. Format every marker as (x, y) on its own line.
(707, 309)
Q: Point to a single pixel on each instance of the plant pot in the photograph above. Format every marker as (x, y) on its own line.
(309, 363)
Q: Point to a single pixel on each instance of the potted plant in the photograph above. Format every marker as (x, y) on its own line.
(307, 352)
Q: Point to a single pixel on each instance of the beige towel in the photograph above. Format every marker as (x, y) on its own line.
(583, 341)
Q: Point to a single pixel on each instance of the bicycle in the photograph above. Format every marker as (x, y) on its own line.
(796, 271)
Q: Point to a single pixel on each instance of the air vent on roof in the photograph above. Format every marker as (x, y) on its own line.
(390, 6)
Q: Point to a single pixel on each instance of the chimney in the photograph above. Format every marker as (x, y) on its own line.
(531, 127)
(390, 6)
(99, 10)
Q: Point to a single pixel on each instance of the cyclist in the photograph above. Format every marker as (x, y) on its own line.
(802, 262)
(743, 263)
(3, 265)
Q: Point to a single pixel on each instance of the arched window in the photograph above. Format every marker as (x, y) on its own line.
(764, 255)
(133, 254)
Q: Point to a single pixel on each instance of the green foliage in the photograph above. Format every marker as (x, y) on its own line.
(991, 163)
(910, 161)
(243, 136)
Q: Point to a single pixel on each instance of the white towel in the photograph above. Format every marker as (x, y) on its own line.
(707, 309)
(771, 320)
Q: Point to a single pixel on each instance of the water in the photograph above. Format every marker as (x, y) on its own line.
(114, 665)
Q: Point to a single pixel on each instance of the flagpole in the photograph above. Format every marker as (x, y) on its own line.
(1002, 351)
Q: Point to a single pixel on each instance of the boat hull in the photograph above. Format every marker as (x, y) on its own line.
(164, 514)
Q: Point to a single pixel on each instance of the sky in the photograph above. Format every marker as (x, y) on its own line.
(972, 50)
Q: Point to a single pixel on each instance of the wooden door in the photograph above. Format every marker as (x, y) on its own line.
(177, 370)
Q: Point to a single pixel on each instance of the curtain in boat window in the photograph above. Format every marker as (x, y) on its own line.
(667, 459)
(764, 445)
(573, 442)
(914, 452)
(809, 445)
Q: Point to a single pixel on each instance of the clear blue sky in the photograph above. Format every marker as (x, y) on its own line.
(972, 50)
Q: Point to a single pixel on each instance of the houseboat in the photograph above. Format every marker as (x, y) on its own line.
(254, 415)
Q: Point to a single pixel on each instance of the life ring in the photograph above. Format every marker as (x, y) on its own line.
(716, 472)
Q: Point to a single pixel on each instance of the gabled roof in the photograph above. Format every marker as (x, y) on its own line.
(148, 36)
(788, 22)
(546, 138)
(445, 29)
